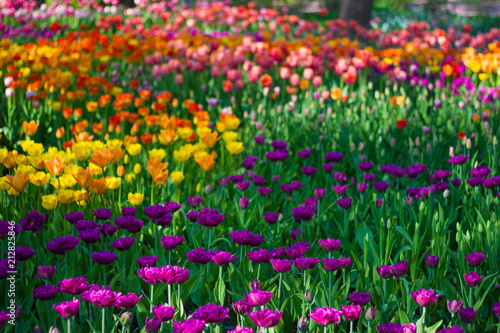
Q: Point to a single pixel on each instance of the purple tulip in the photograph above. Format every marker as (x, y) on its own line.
(344, 203)
(264, 191)
(33, 221)
(193, 215)
(381, 186)
(257, 298)
(67, 309)
(305, 263)
(212, 314)
(90, 236)
(270, 217)
(303, 213)
(365, 166)
(164, 313)
(241, 307)
(240, 329)
(147, 261)
(399, 269)
(454, 306)
(199, 256)
(467, 315)
(245, 237)
(108, 229)
(281, 265)
(496, 309)
(123, 244)
(62, 244)
(171, 242)
(103, 214)
(73, 286)
(303, 154)
(260, 256)
(333, 157)
(74, 217)
(102, 297)
(475, 259)
(128, 211)
(155, 212)
(127, 301)
(45, 293)
(152, 325)
(385, 271)
(46, 272)
(265, 317)
(210, 217)
(23, 253)
(191, 325)
(329, 244)
(351, 312)
(326, 316)
(424, 297)
(458, 160)
(431, 261)
(359, 298)
(104, 257)
(195, 201)
(222, 258)
(472, 279)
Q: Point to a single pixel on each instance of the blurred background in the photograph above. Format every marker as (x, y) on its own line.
(394, 13)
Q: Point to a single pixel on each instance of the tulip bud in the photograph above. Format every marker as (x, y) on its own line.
(417, 142)
(480, 228)
(243, 203)
(303, 324)
(495, 141)
(393, 142)
(54, 330)
(126, 318)
(429, 149)
(452, 152)
(126, 159)
(276, 178)
(37, 329)
(446, 194)
(208, 189)
(137, 168)
(120, 171)
(308, 297)
(468, 144)
(119, 129)
(60, 132)
(411, 142)
(370, 313)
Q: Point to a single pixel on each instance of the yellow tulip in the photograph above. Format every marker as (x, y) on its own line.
(129, 178)
(158, 153)
(19, 181)
(49, 202)
(4, 186)
(137, 169)
(220, 127)
(81, 151)
(230, 136)
(67, 180)
(182, 155)
(3, 155)
(185, 132)
(65, 196)
(134, 149)
(235, 147)
(113, 182)
(135, 199)
(177, 177)
(40, 178)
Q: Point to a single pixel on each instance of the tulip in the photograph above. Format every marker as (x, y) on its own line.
(467, 315)
(265, 317)
(67, 309)
(326, 316)
(424, 297)
(454, 306)
(192, 325)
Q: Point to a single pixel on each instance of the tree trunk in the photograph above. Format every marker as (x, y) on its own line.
(358, 10)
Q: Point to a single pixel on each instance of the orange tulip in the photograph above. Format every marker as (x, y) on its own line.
(19, 181)
(98, 186)
(266, 80)
(158, 171)
(399, 100)
(335, 93)
(117, 157)
(205, 162)
(84, 178)
(30, 128)
(56, 166)
(209, 139)
(101, 158)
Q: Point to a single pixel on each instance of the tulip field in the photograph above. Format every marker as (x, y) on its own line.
(215, 167)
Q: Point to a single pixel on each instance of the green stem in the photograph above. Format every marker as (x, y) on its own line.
(69, 325)
(103, 320)
(151, 290)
